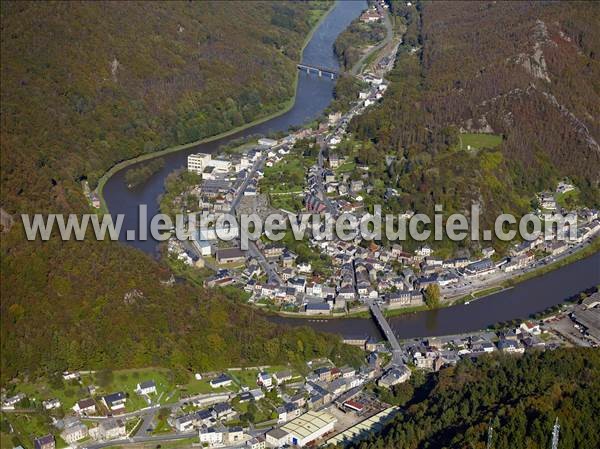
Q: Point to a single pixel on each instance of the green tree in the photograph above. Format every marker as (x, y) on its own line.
(432, 296)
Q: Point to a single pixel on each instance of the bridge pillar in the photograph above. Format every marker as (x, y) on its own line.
(307, 71)
(331, 75)
(320, 74)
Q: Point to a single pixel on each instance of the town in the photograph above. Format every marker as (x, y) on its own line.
(303, 172)
(260, 407)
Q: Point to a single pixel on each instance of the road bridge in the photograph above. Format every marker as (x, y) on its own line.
(332, 73)
(387, 332)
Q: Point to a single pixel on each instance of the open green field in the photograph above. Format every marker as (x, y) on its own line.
(127, 380)
(478, 141)
(288, 175)
(121, 380)
(27, 427)
(568, 200)
(291, 202)
(346, 167)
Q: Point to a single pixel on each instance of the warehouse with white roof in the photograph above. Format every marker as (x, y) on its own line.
(309, 427)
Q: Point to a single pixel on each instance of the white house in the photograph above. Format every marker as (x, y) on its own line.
(74, 433)
(148, 387)
(67, 375)
(305, 267)
(85, 406)
(530, 328)
(115, 401)
(264, 379)
(51, 404)
(210, 436)
(424, 251)
(221, 381)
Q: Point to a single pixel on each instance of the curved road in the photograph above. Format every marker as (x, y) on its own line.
(388, 38)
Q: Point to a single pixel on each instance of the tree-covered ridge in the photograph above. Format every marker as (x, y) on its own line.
(519, 396)
(87, 84)
(102, 305)
(527, 71)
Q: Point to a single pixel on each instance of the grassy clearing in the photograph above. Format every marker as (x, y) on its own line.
(29, 426)
(478, 141)
(288, 175)
(291, 202)
(568, 200)
(478, 294)
(346, 167)
(127, 380)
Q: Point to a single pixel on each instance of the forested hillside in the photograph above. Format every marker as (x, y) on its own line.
(520, 397)
(85, 85)
(525, 71)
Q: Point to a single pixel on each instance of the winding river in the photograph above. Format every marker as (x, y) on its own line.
(313, 95)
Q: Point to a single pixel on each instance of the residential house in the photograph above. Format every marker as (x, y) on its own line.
(51, 404)
(11, 402)
(234, 435)
(45, 442)
(257, 443)
(324, 374)
(264, 379)
(147, 387)
(223, 410)
(223, 380)
(282, 376)
(210, 436)
(74, 433)
(115, 401)
(257, 394)
(277, 438)
(108, 429)
(85, 407)
(394, 376)
(511, 346)
(183, 423)
(530, 328)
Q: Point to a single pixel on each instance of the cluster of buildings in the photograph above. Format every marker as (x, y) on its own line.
(357, 274)
(374, 13)
(309, 408)
(304, 416)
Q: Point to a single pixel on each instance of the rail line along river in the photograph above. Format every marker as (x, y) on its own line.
(313, 95)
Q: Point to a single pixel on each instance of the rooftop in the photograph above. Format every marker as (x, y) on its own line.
(309, 423)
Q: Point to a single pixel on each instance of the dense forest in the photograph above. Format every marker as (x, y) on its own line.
(100, 304)
(520, 397)
(85, 85)
(525, 71)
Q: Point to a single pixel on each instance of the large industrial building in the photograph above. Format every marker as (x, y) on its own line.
(309, 427)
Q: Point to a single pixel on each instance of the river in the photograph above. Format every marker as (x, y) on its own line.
(526, 298)
(313, 95)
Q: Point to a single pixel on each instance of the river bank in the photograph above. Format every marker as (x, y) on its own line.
(505, 285)
(288, 105)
